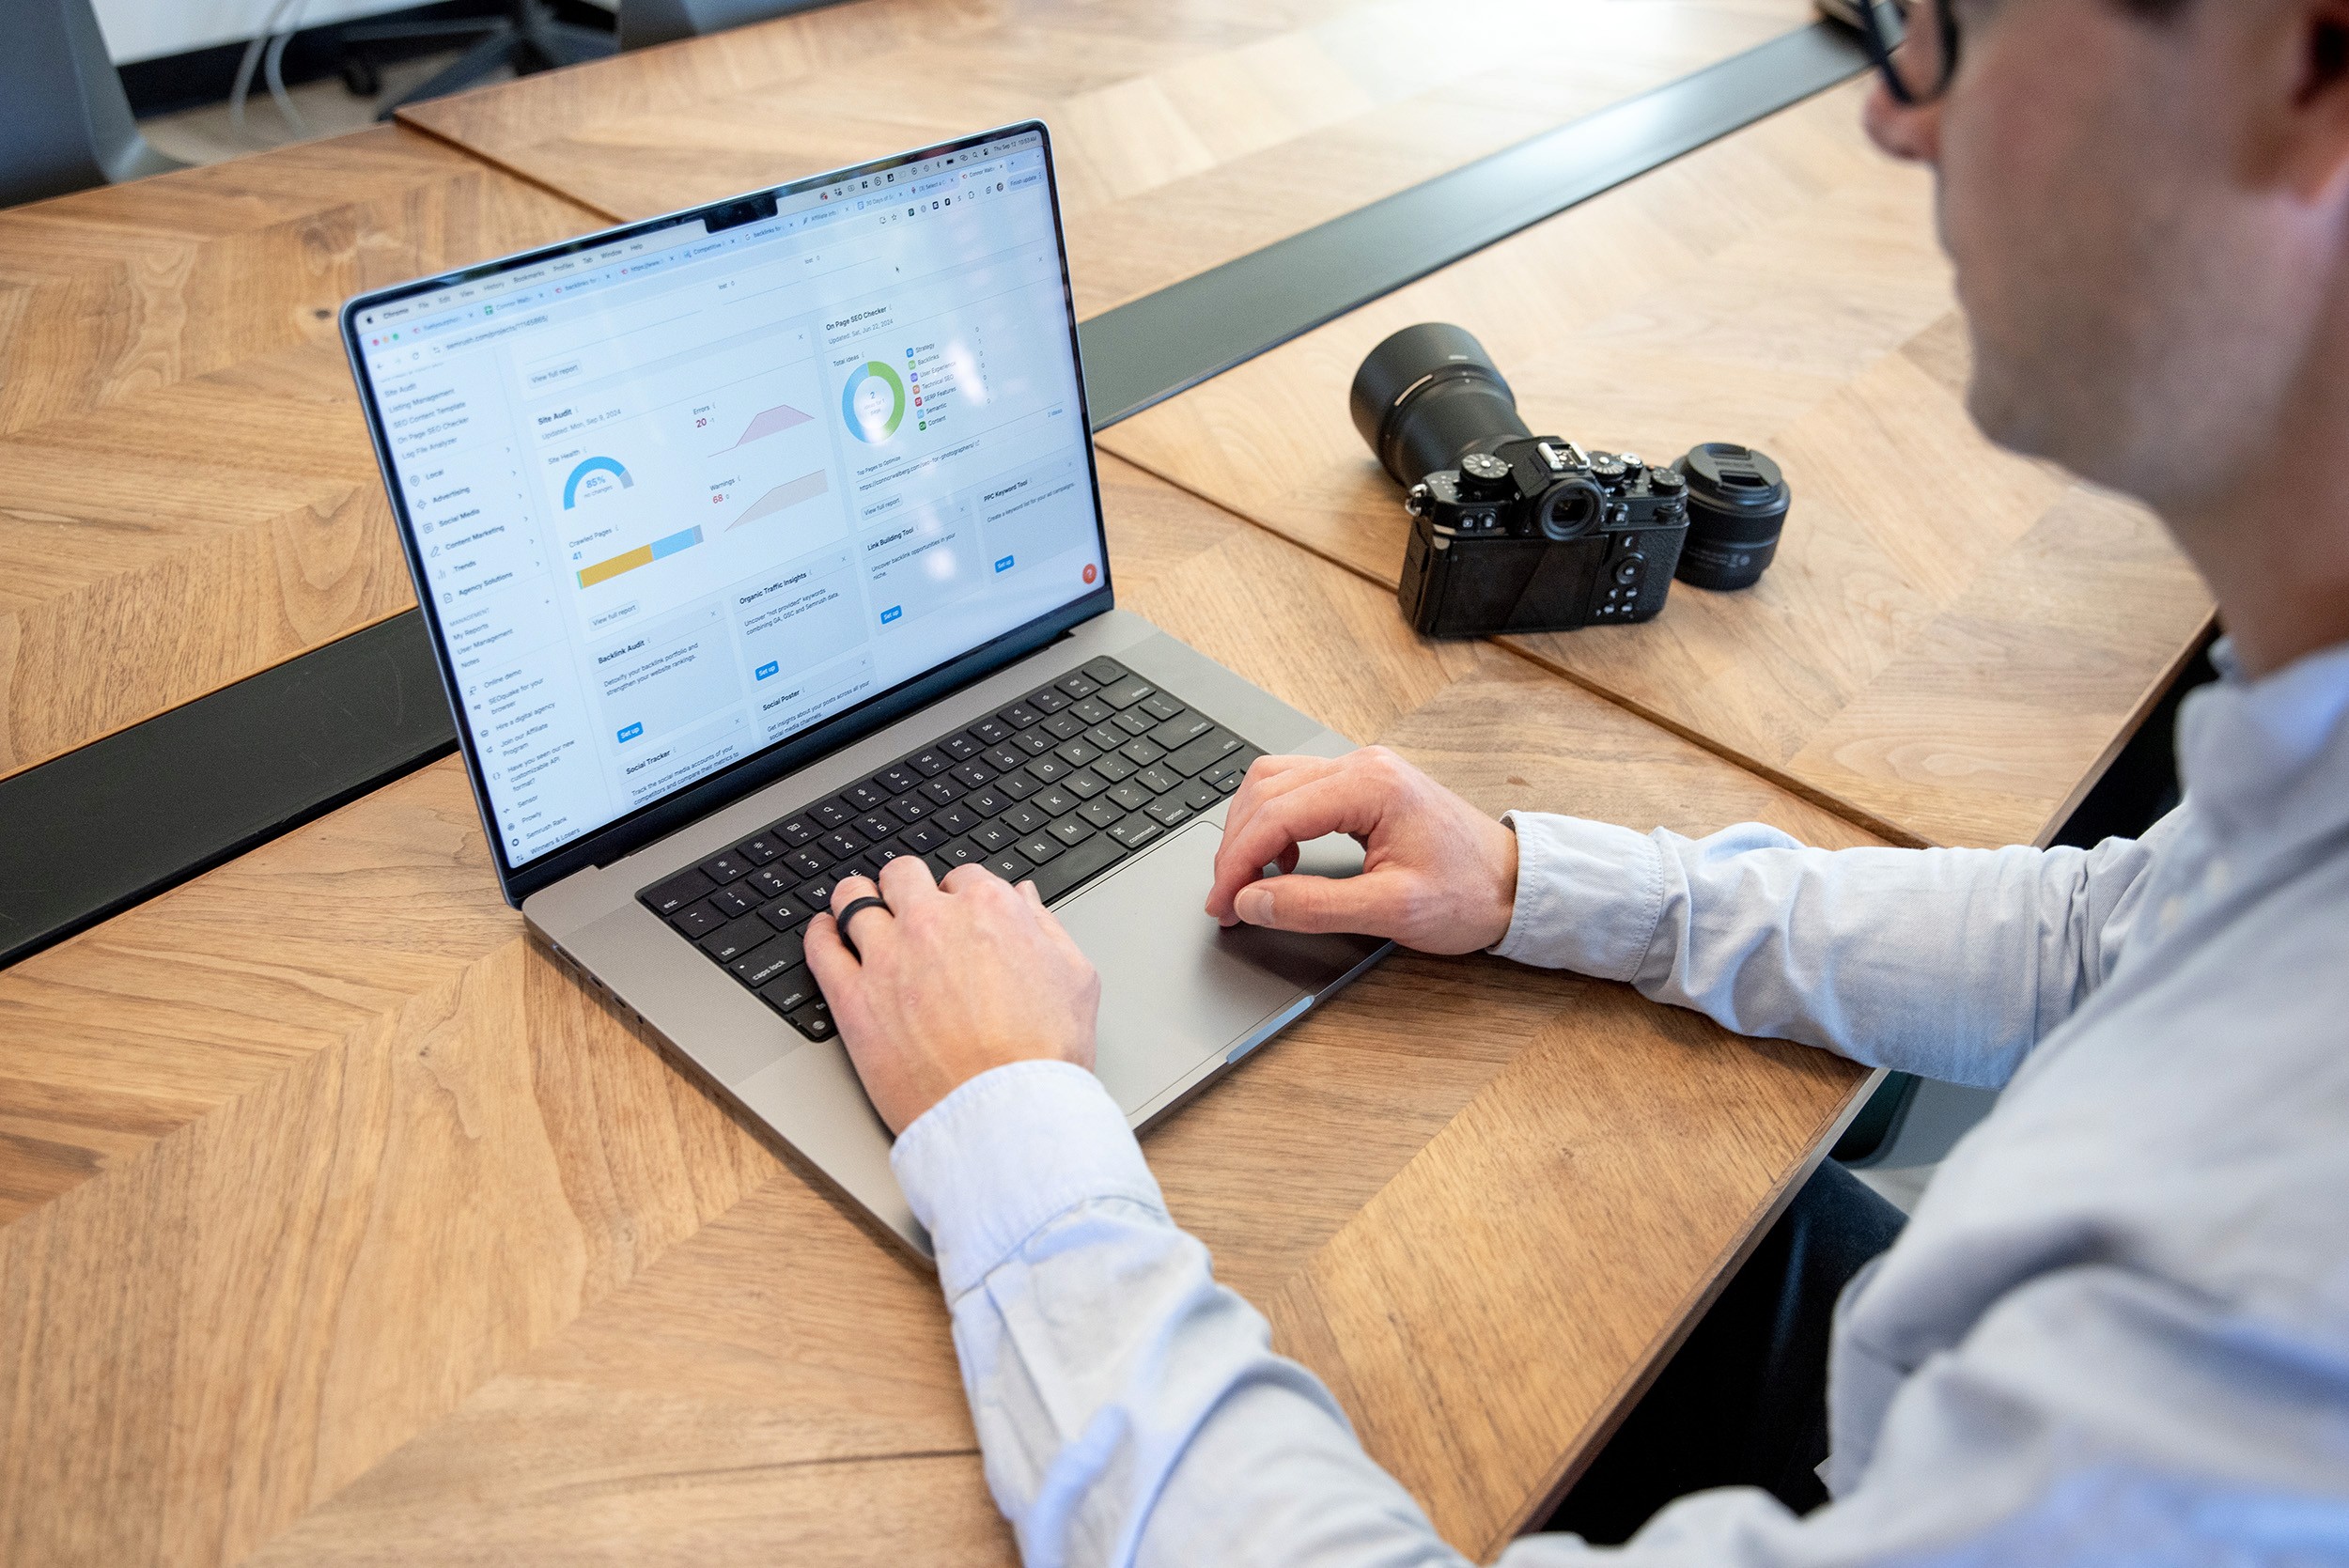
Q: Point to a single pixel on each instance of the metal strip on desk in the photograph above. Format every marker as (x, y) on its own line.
(87, 834)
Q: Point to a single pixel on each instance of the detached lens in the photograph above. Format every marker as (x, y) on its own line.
(1737, 502)
(1429, 396)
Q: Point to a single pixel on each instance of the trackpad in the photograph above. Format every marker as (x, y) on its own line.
(1177, 988)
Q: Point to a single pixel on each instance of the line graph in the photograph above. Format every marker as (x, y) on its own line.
(790, 493)
(770, 422)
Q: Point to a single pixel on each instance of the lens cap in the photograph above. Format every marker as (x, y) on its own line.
(1737, 504)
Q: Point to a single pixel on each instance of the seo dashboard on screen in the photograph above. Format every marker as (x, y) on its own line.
(683, 496)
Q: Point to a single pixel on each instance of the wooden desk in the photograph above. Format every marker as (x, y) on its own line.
(187, 495)
(1187, 135)
(1951, 644)
(341, 1226)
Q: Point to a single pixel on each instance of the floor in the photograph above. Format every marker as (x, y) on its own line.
(210, 134)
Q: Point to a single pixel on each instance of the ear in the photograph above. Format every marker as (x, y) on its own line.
(2314, 147)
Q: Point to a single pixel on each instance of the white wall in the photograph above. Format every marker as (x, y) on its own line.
(142, 29)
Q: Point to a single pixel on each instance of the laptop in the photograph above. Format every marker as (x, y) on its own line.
(761, 544)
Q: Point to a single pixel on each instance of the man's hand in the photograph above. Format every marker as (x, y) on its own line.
(953, 978)
(1438, 875)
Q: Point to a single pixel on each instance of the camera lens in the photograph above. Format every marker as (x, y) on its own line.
(1737, 502)
(1571, 508)
(1429, 396)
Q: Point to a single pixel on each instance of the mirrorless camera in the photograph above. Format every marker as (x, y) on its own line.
(1511, 530)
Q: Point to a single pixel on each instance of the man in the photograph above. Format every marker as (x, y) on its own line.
(2117, 1327)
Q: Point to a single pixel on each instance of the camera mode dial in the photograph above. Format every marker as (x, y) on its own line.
(1606, 469)
(1483, 477)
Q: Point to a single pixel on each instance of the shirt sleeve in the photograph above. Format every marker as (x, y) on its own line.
(1947, 963)
(1130, 1410)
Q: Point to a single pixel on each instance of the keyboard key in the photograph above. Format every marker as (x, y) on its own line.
(986, 802)
(1084, 784)
(697, 919)
(1019, 716)
(1231, 782)
(1115, 768)
(875, 826)
(1157, 780)
(759, 850)
(1079, 685)
(794, 990)
(810, 862)
(814, 1020)
(817, 896)
(1159, 705)
(963, 852)
(1063, 726)
(1103, 671)
(910, 808)
(952, 821)
(1071, 828)
(962, 748)
(1093, 711)
(1107, 737)
(1025, 819)
(678, 891)
(1130, 796)
(1236, 765)
(931, 763)
(1035, 742)
(1098, 853)
(1099, 812)
(1050, 768)
(1038, 848)
(1052, 801)
(732, 902)
(1136, 831)
(1045, 700)
(1199, 796)
(1017, 786)
(832, 814)
(1168, 811)
(994, 837)
(1076, 753)
(1211, 748)
(923, 839)
(1012, 866)
(1124, 693)
(725, 868)
(897, 780)
(939, 864)
(786, 913)
(770, 962)
(795, 831)
(991, 732)
(945, 790)
(1141, 753)
(771, 881)
(842, 843)
(862, 866)
(1181, 730)
(735, 938)
(994, 760)
(1134, 721)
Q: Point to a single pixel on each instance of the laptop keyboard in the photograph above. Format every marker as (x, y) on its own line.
(1054, 789)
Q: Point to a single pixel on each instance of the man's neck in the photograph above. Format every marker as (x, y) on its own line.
(2278, 560)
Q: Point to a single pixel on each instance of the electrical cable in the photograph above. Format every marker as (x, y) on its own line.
(268, 41)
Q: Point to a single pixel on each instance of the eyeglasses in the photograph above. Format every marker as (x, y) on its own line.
(1917, 51)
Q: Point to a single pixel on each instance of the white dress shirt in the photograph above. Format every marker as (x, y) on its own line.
(2116, 1329)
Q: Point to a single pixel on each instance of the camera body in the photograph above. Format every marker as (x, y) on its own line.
(1538, 536)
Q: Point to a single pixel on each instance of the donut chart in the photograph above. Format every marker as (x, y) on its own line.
(873, 403)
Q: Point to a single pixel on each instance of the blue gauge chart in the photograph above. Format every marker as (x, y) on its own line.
(873, 403)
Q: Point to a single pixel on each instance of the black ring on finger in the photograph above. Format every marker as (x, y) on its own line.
(856, 907)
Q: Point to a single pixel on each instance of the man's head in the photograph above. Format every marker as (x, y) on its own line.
(2146, 201)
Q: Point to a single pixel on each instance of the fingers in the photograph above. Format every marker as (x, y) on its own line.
(1376, 904)
(1342, 803)
(873, 930)
(906, 881)
(1267, 780)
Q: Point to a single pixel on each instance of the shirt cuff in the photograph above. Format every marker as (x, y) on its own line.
(1008, 1151)
(1589, 895)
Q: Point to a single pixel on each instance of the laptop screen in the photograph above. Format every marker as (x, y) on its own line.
(679, 494)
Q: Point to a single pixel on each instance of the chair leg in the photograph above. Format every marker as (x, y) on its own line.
(498, 48)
